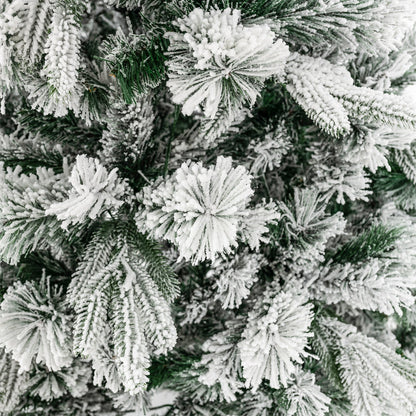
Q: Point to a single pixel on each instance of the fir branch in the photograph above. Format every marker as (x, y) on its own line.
(372, 243)
(28, 152)
(381, 370)
(67, 129)
(132, 355)
(313, 22)
(376, 107)
(25, 226)
(394, 184)
(406, 159)
(12, 382)
(38, 262)
(35, 19)
(136, 62)
(113, 292)
(165, 368)
(326, 350)
(328, 96)
(30, 159)
(158, 267)
(304, 221)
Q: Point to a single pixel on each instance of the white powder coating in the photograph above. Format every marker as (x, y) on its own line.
(216, 61)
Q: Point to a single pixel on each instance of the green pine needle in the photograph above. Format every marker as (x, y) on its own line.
(374, 242)
(165, 367)
(137, 63)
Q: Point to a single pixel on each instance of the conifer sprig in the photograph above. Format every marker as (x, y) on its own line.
(372, 243)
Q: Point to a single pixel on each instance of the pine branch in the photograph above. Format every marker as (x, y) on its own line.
(67, 129)
(25, 226)
(28, 152)
(157, 266)
(136, 62)
(367, 368)
(406, 159)
(12, 382)
(326, 349)
(376, 107)
(130, 347)
(164, 368)
(112, 289)
(328, 96)
(35, 18)
(372, 243)
(304, 221)
(396, 185)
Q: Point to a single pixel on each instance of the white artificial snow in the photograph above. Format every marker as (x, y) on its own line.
(275, 338)
(202, 209)
(33, 326)
(216, 48)
(234, 277)
(305, 396)
(94, 190)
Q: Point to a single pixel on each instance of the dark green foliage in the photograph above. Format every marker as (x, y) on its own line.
(95, 94)
(396, 184)
(67, 130)
(406, 330)
(164, 368)
(325, 348)
(28, 152)
(30, 158)
(278, 235)
(136, 62)
(374, 242)
(27, 236)
(23, 236)
(7, 278)
(140, 171)
(392, 180)
(275, 104)
(158, 268)
(35, 263)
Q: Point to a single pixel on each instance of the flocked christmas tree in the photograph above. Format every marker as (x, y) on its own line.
(211, 201)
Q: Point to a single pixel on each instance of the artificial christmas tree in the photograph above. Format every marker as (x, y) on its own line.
(207, 203)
